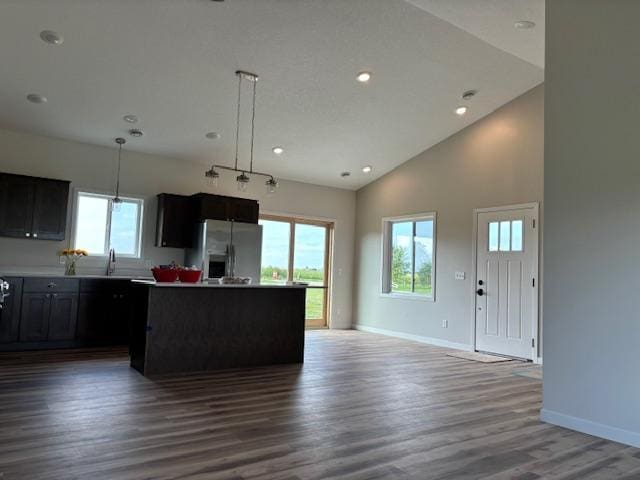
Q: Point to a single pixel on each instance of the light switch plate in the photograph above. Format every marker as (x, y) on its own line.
(460, 275)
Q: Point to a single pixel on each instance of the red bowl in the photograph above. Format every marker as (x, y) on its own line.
(165, 275)
(189, 276)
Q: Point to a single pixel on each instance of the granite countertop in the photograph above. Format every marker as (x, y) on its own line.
(153, 283)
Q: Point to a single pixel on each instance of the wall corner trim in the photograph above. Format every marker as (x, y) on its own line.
(592, 428)
(416, 338)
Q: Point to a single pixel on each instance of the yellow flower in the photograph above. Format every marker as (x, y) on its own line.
(80, 252)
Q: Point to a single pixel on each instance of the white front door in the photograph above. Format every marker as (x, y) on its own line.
(506, 306)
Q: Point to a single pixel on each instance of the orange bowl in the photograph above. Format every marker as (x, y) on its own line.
(189, 276)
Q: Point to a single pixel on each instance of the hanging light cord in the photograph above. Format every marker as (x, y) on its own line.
(211, 173)
(238, 119)
(118, 177)
(253, 122)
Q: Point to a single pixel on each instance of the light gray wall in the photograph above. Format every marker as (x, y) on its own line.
(496, 161)
(592, 204)
(93, 168)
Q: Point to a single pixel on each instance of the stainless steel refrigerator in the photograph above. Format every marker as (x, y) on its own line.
(227, 249)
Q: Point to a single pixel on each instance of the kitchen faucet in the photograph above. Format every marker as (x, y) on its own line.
(111, 263)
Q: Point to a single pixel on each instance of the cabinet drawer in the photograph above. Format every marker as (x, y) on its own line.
(51, 284)
(98, 285)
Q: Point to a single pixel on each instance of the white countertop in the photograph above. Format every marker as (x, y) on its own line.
(153, 283)
(62, 275)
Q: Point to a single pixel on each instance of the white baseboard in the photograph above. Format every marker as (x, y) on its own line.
(592, 428)
(416, 338)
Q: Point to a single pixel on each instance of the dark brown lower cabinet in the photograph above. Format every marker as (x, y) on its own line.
(34, 321)
(63, 314)
(10, 312)
(93, 318)
(48, 317)
(104, 312)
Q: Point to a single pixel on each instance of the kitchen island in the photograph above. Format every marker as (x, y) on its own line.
(182, 327)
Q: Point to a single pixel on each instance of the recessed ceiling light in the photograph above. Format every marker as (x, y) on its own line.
(277, 150)
(367, 168)
(524, 24)
(136, 132)
(345, 174)
(36, 98)
(130, 118)
(212, 135)
(364, 77)
(461, 110)
(52, 38)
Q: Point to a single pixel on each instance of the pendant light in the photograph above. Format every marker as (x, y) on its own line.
(117, 201)
(244, 177)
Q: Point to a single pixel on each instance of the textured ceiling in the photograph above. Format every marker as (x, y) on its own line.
(493, 22)
(172, 63)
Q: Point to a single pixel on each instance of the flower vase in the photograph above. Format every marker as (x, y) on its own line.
(70, 267)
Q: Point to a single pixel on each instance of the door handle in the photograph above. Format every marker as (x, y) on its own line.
(480, 292)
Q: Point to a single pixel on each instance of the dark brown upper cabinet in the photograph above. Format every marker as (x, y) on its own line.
(175, 223)
(178, 215)
(34, 208)
(243, 210)
(219, 207)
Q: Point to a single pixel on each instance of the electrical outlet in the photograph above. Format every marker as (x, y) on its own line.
(61, 260)
(445, 323)
(148, 263)
(460, 275)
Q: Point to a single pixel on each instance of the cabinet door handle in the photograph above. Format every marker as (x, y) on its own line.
(55, 295)
(27, 234)
(52, 285)
(35, 235)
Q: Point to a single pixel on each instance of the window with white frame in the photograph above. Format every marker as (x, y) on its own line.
(409, 245)
(99, 226)
(506, 236)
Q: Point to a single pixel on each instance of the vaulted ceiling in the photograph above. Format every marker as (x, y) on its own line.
(172, 64)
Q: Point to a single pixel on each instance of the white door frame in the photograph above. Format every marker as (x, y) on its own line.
(474, 272)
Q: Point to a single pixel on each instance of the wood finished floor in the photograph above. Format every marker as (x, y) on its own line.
(363, 406)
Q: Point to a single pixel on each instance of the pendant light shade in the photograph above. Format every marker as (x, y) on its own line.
(212, 176)
(243, 181)
(272, 186)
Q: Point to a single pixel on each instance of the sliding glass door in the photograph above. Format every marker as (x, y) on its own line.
(295, 249)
